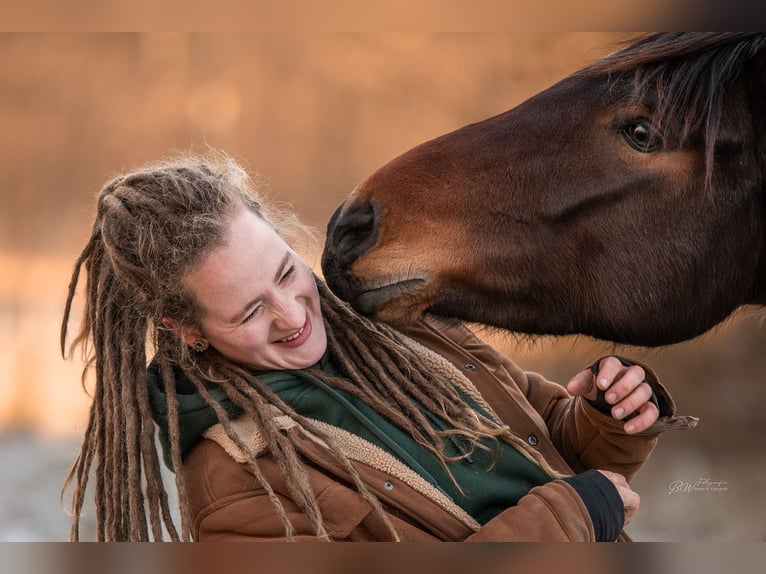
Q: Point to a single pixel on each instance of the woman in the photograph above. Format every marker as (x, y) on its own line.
(285, 415)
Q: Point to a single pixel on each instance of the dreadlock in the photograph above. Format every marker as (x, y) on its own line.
(151, 228)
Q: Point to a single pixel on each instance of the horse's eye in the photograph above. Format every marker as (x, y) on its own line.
(641, 136)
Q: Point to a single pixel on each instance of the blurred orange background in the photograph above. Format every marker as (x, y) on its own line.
(314, 114)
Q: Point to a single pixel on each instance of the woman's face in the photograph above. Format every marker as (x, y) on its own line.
(260, 304)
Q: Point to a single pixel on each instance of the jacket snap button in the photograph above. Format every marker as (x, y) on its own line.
(532, 439)
(469, 367)
(388, 485)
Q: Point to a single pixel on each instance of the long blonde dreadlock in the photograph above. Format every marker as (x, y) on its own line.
(151, 227)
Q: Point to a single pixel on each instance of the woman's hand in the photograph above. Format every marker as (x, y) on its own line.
(630, 498)
(625, 388)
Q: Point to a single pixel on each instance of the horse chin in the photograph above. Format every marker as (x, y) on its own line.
(398, 304)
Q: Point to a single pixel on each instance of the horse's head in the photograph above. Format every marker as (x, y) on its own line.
(625, 202)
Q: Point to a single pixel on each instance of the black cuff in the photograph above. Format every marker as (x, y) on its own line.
(603, 502)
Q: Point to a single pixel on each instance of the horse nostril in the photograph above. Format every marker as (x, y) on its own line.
(349, 234)
(353, 232)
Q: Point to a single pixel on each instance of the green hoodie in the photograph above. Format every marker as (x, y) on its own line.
(195, 416)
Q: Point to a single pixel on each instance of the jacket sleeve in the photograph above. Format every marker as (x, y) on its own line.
(552, 512)
(588, 438)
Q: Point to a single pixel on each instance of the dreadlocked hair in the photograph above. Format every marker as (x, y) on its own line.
(394, 374)
(152, 227)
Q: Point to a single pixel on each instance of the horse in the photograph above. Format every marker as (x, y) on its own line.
(625, 202)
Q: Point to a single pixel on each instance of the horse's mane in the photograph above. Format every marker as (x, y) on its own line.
(689, 74)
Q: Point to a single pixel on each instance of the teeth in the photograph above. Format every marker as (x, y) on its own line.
(298, 334)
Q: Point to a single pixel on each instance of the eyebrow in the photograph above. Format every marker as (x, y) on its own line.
(259, 298)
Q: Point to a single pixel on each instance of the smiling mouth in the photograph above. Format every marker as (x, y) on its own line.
(299, 337)
(293, 337)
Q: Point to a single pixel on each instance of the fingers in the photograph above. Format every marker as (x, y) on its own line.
(628, 392)
(647, 415)
(618, 379)
(630, 499)
(583, 384)
(627, 399)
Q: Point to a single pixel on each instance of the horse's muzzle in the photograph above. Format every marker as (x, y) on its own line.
(351, 231)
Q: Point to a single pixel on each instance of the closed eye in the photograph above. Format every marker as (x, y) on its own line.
(287, 274)
(258, 309)
(253, 314)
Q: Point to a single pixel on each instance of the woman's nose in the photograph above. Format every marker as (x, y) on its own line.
(289, 314)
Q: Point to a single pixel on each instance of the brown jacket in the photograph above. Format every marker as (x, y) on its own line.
(228, 503)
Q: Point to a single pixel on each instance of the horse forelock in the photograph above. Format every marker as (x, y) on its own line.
(686, 75)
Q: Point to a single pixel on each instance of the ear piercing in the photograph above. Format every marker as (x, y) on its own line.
(199, 345)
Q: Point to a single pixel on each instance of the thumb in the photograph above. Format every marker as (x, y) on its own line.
(581, 383)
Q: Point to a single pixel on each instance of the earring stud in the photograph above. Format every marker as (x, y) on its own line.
(199, 345)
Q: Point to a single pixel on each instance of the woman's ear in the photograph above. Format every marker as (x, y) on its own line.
(188, 336)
